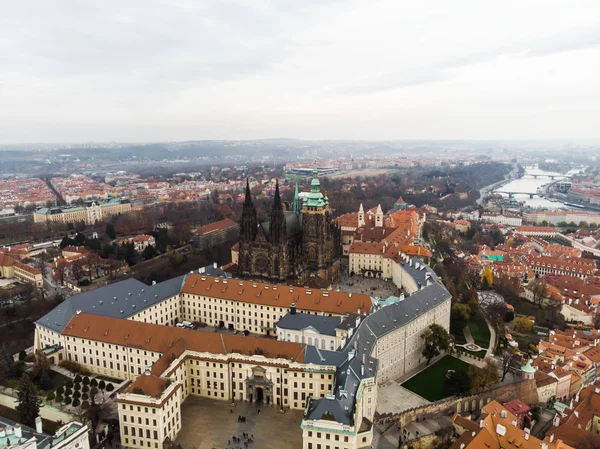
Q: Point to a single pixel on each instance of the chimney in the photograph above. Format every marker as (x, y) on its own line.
(38, 425)
(18, 431)
(351, 354)
(293, 308)
(503, 413)
(214, 264)
(153, 282)
(552, 438)
(481, 423)
(526, 436)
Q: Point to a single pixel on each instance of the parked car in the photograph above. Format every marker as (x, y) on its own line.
(245, 332)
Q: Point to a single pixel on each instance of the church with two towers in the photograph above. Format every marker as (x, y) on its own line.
(293, 245)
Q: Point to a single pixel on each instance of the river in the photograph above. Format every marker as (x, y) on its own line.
(528, 184)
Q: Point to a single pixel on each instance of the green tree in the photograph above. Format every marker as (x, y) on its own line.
(459, 318)
(459, 383)
(149, 252)
(436, 339)
(523, 325)
(110, 231)
(110, 387)
(94, 382)
(76, 402)
(28, 401)
(86, 380)
(101, 384)
(78, 379)
(45, 381)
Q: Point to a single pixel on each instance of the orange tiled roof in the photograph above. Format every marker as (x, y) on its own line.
(158, 338)
(276, 295)
(149, 384)
(216, 226)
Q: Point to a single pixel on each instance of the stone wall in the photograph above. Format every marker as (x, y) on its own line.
(427, 442)
(46, 412)
(525, 390)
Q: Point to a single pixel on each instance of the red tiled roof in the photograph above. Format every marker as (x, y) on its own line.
(216, 226)
(276, 295)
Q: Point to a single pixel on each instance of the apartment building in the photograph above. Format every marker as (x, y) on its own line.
(580, 267)
(537, 231)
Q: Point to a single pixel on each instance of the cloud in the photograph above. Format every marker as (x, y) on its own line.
(444, 70)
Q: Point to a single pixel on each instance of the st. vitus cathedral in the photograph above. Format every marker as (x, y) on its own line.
(293, 245)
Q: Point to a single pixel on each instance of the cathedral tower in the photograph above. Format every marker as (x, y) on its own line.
(320, 238)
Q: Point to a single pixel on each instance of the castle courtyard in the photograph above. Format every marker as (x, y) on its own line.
(208, 423)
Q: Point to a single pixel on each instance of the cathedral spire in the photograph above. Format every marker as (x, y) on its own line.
(248, 198)
(296, 204)
(248, 223)
(315, 184)
(277, 199)
(277, 224)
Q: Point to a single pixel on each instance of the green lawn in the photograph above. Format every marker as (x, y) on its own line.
(431, 382)
(459, 339)
(480, 331)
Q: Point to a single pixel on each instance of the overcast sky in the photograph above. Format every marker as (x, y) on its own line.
(80, 70)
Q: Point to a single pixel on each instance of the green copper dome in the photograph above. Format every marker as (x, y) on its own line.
(527, 368)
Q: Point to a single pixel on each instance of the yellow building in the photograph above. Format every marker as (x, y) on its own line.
(126, 330)
(88, 214)
(13, 269)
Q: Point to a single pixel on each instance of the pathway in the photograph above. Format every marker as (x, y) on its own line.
(65, 372)
(470, 345)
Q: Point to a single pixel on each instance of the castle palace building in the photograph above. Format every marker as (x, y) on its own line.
(293, 245)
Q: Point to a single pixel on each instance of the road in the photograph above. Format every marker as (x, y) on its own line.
(484, 191)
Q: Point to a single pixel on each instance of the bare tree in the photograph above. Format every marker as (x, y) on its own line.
(77, 269)
(539, 287)
(508, 358)
(93, 260)
(60, 270)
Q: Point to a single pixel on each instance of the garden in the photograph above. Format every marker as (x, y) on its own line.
(431, 382)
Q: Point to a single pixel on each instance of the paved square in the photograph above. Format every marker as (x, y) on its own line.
(394, 398)
(208, 424)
